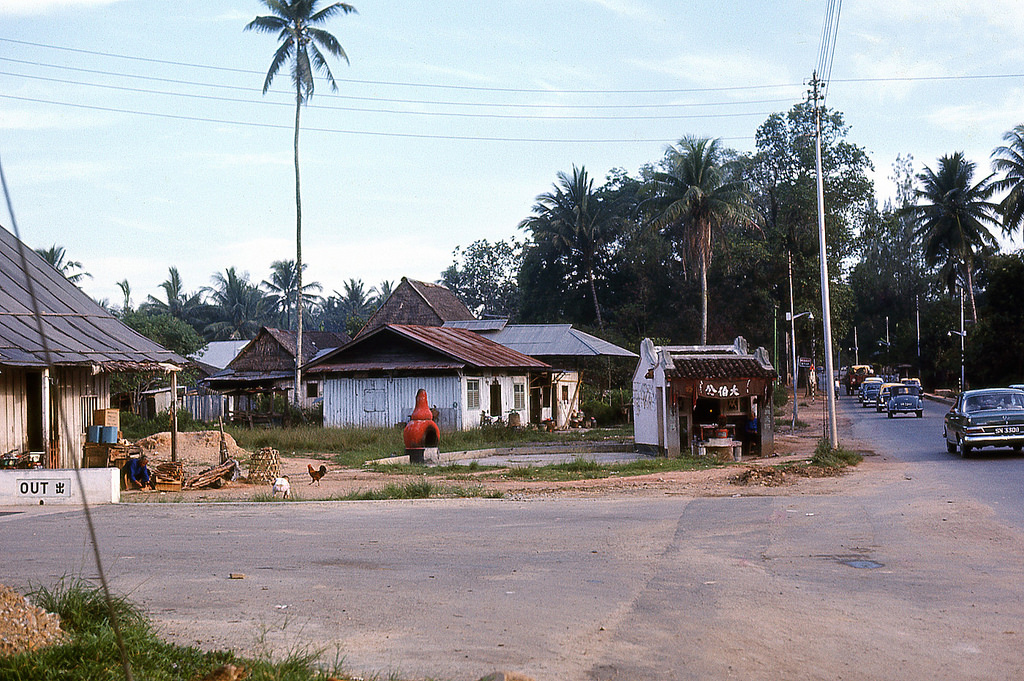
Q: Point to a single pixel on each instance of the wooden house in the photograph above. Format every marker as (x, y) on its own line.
(555, 395)
(418, 303)
(372, 381)
(685, 397)
(55, 366)
(265, 368)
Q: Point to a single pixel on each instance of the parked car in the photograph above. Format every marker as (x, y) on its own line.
(992, 417)
(884, 393)
(905, 399)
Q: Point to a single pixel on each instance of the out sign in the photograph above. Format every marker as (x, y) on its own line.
(42, 487)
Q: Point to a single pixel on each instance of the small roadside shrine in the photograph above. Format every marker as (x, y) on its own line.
(703, 400)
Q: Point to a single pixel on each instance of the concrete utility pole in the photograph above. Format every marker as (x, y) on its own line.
(826, 307)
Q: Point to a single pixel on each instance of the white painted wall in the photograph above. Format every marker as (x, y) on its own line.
(59, 486)
(646, 428)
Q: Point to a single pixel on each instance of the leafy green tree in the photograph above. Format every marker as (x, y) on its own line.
(484, 277)
(240, 308)
(296, 23)
(995, 348)
(56, 256)
(695, 200)
(573, 222)
(1008, 160)
(953, 214)
(171, 333)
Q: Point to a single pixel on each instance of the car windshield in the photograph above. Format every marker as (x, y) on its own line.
(992, 401)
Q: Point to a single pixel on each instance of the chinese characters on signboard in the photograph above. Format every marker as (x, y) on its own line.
(724, 389)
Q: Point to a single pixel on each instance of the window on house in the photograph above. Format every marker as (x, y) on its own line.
(473, 393)
(519, 396)
(312, 390)
(565, 393)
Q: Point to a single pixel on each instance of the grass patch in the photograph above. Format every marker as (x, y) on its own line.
(419, 489)
(585, 469)
(839, 457)
(89, 651)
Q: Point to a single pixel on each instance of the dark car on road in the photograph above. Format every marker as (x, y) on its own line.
(905, 399)
(993, 417)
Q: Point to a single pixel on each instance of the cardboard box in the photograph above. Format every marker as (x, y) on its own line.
(107, 417)
(171, 486)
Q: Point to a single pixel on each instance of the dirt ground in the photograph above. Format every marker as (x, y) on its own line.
(199, 451)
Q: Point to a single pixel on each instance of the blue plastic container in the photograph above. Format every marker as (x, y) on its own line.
(93, 434)
(108, 435)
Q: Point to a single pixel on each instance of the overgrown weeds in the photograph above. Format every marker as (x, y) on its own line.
(90, 649)
(838, 457)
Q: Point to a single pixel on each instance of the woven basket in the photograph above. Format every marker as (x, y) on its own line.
(264, 466)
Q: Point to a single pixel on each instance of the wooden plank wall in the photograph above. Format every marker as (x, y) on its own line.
(73, 386)
(13, 433)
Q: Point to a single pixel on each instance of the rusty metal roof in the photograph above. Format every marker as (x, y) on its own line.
(78, 331)
(466, 348)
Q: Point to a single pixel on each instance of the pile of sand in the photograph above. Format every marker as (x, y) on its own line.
(23, 626)
(196, 450)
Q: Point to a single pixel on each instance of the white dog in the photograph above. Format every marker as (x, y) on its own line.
(282, 485)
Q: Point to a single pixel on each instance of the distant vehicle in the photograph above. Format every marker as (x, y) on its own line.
(905, 399)
(884, 393)
(855, 376)
(869, 393)
(992, 417)
(911, 381)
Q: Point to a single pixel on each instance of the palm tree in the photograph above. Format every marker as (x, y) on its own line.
(575, 221)
(295, 22)
(283, 287)
(695, 200)
(188, 307)
(952, 216)
(240, 306)
(126, 291)
(1008, 159)
(55, 256)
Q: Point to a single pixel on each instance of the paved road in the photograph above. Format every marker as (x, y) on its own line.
(993, 476)
(896, 571)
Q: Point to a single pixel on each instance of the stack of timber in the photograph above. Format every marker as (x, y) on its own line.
(216, 476)
(264, 466)
(168, 477)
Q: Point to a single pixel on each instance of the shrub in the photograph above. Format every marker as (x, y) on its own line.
(838, 457)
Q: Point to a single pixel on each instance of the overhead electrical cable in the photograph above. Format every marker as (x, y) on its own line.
(372, 133)
(290, 105)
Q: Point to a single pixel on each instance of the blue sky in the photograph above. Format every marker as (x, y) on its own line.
(120, 142)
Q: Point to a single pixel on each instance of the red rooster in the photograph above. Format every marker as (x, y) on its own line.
(316, 474)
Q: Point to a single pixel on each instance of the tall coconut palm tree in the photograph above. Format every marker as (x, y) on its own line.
(1008, 160)
(188, 307)
(241, 307)
(296, 24)
(55, 255)
(575, 221)
(283, 287)
(953, 216)
(694, 200)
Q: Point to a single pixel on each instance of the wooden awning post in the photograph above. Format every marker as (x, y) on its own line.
(174, 416)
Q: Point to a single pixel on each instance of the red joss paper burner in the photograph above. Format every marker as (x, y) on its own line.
(421, 431)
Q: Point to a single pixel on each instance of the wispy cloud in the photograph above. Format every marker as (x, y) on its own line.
(712, 70)
(27, 7)
(627, 8)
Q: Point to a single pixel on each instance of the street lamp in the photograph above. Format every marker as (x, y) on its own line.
(963, 334)
(791, 318)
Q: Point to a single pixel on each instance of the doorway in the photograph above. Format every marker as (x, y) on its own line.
(496, 411)
(34, 410)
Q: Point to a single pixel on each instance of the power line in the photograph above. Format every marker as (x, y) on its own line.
(470, 88)
(263, 102)
(371, 133)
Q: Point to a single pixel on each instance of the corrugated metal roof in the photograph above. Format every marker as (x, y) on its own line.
(219, 353)
(384, 365)
(78, 331)
(478, 325)
(544, 340)
(468, 348)
(312, 341)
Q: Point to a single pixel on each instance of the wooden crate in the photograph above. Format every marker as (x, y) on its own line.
(107, 417)
(168, 486)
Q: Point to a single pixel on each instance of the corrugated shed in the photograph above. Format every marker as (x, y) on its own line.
(78, 331)
(417, 302)
(466, 348)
